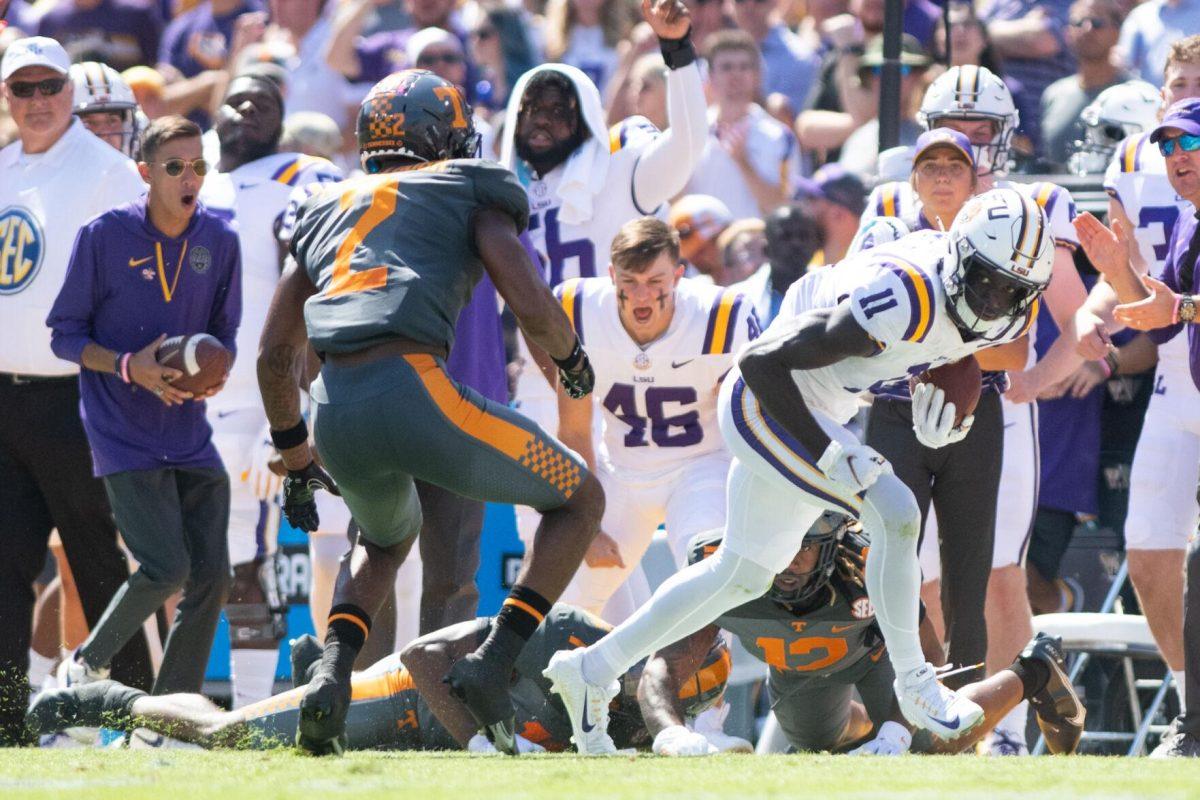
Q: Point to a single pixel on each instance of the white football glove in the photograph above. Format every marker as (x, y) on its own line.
(855, 465)
(679, 740)
(711, 725)
(265, 483)
(480, 744)
(893, 739)
(933, 417)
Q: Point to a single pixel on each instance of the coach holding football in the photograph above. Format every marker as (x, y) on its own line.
(157, 267)
(1166, 305)
(53, 178)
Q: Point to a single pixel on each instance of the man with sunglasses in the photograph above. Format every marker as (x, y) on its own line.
(161, 266)
(1092, 28)
(1165, 305)
(1163, 512)
(54, 178)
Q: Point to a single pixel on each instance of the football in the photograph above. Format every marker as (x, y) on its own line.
(962, 381)
(201, 358)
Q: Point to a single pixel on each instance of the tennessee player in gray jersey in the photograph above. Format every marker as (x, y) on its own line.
(396, 703)
(382, 266)
(815, 628)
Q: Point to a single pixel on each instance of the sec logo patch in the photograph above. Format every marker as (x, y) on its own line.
(22, 249)
(862, 608)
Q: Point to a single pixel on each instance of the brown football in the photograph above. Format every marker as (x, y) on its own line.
(201, 358)
(962, 381)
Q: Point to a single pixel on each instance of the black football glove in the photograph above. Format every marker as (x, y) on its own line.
(299, 504)
(575, 372)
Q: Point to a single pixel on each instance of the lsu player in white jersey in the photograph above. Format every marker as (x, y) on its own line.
(660, 345)
(876, 317)
(975, 102)
(106, 106)
(1162, 493)
(584, 181)
(252, 188)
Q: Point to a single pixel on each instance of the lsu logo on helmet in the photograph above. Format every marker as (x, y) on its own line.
(22, 249)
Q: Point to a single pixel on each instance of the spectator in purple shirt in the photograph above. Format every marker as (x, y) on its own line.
(200, 39)
(120, 33)
(1165, 305)
(157, 267)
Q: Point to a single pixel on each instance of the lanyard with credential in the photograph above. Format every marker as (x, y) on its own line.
(168, 293)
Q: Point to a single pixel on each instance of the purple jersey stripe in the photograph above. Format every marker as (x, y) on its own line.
(743, 428)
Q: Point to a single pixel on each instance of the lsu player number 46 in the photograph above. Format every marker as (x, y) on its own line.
(883, 315)
(660, 344)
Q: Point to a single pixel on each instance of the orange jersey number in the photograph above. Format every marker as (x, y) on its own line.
(346, 280)
(777, 654)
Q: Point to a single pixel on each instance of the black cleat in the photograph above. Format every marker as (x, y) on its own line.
(306, 657)
(322, 728)
(482, 686)
(88, 705)
(1060, 715)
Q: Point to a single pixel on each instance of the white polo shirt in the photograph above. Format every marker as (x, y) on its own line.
(773, 152)
(44, 200)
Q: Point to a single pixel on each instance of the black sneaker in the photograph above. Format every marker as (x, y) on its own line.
(1060, 715)
(482, 685)
(305, 657)
(322, 728)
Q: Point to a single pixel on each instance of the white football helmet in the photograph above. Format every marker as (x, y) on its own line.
(971, 92)
(100, 89)
(877, 231)
(1001, 257)
(1120, 111)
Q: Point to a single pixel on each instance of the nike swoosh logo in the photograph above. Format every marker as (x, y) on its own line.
(951, 724)
(840, 628)
(139, 261)
(584, 723)
(679, 364)
(224, 414)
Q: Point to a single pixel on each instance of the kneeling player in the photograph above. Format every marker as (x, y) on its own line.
(815, 628)
(399, 703)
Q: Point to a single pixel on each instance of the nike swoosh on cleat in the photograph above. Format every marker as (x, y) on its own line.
(952, 725)
(584, 722)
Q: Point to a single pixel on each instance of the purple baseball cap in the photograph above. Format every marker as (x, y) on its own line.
(1184, 116)
(833, 183)
(943, 137)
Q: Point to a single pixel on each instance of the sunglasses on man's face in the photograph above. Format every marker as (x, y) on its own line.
(175, 166)
(449, 59)
(1097, 23)
(46, 88)
(1188, 143)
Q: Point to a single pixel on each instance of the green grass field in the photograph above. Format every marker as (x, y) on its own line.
(176, 775)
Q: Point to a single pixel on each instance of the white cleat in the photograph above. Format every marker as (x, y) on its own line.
(928, 704)
(586, 705)
(72, 672)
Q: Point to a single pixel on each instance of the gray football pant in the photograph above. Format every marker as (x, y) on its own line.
(174, 521)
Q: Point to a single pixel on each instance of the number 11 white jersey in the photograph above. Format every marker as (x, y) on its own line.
(659, 402)
(896, 295)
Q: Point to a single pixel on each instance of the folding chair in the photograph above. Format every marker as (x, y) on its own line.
(1111, 633)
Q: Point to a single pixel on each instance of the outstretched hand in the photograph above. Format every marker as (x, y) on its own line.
(668, 18)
